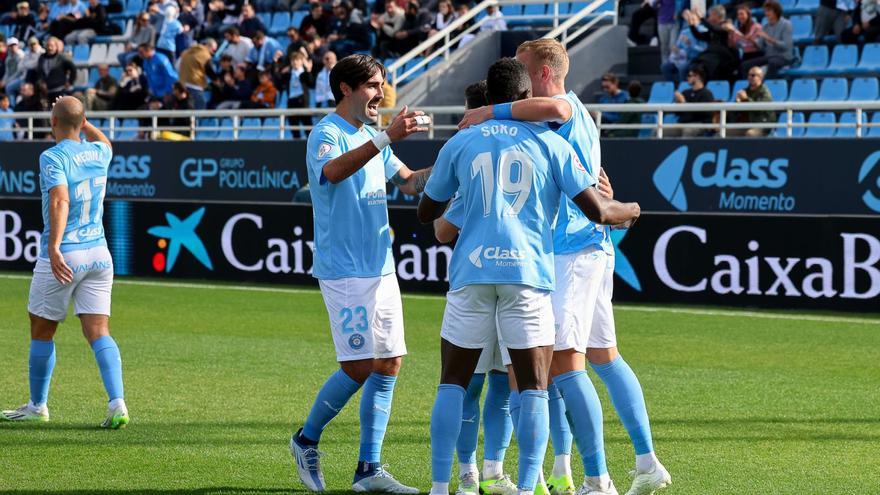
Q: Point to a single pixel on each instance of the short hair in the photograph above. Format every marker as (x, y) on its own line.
(4, 96)
(258, 34)
(145, 46)
(507, 80)
(353, 70)
(720, 10)
(698, 71)
(475, 95)
(231, 30)
(634, 89)
(226, 57)
(550, 53)
(611, 77)
(178, 86)
(69, 113)
(773, 6)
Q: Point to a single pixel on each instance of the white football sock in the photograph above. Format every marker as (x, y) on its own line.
(562, 465)
(438, 488)
(492, 470)
(468, 468)
(645, 462)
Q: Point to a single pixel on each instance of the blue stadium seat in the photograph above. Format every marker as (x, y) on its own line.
(280, 23)
(225, 133)
(564, 8)
(802, 7)
(93, 76)
(651, 118)
(133, 7)
(847, 118)
(250, 133)
(834, 89)
(265, 17)
(739, 86)
(297, 18)
(802, 27)
(511, 10)
(874, 132)
(682, 86)
(281, 99)
(116, 72)
(80, 53)
(284, 41)
(870, 61)
(719, 89)
(778, 89)
(127, 133)
(815, 59)
(797, 118)
(661, 92)
(821, 118)
(803, 90)
(270, 130)
(843, 60)
(864, 89)
(207, 134)
(535, 9)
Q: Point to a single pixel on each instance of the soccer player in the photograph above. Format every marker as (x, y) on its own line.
(74, 262)
(349, 164)
(509, 176)
(497, 424)
(585, 277)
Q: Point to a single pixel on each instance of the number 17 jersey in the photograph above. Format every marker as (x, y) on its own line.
(509, 176)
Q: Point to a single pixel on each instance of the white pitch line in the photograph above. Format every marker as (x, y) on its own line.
(623, 307)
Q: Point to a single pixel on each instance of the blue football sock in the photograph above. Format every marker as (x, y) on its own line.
(470, 421)
(584, 412)
(497, 424)
(445, 428)
(514, 410)
(375, 412)
(40, 366)
(532, 436)
(110, 365)
(626, 395)
(560, 432)
(332, 397)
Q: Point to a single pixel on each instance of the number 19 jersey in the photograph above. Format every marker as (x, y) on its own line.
(509, 176)
(82, 167)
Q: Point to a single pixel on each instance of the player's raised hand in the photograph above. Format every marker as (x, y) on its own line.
(406, 123)
(475, 116)
(605, 185)
(60, 270)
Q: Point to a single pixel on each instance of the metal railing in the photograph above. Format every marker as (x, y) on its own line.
(574, 22)
(33, 125)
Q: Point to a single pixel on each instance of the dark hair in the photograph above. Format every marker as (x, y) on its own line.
(353, 70)
(231, 30)
(773, 6)
(4, 96)
(145, 46)
(634, 88)
(475, 95)
(699, 71)
(259, 34)
(178, 86)
(507, 81)
(611, 77)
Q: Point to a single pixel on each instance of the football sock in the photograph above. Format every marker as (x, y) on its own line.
(365, 469)
(332, 397)
(584, 411)
(468, 468)
(40, 365)
(110, 365)
(492, 470)
(645, 462)
(562, 465)
(560, 432)
(497, 424)
(375, 412)
(626, 395)
(445, 427)
(438, 488)
(470, 421)
(534, 431)
(514, 410)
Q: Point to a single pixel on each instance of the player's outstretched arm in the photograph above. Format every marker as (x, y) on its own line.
(445, 231)
(59, 207)
(93, 134)
(411, 182)
(606, 211)
(404, 124)
(542, 109)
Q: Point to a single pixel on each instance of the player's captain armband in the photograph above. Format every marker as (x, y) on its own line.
(381, 140)
(503, 111)
(423, 120)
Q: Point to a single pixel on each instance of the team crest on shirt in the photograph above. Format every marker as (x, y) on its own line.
(324, 149)
(356, 341)
(577, 163)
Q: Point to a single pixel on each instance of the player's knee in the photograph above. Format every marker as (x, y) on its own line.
(602, 356)
(42, 329)
(565, 361)
(94, 326)
(357, 370)
(388, 367)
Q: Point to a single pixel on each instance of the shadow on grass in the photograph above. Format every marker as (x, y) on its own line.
(762, 420)
(220, 490)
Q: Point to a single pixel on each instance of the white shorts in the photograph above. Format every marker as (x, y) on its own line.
(492, 357)
(524, 317)
(578, 281)
(90, 289)
(603, 334)
(366, 317)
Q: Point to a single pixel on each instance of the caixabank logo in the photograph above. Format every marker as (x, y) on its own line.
(179, 234)
(869, 178)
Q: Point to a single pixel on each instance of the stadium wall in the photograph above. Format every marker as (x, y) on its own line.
(758, 223)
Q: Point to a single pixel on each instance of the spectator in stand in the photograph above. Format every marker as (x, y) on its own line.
(445, 15)
(55, 69)
(416, 24)
(265, 51)
(348, 33)
(866, 22)
(832, 16)
(387, 25)
(68, 12)
(611, 93)
(294, 41)
(22, 20)
(718, 60)
(635, 97)
(249, 23)
(235, 45)
(494, 20)
(745, 34)
(754, 92)
(28, 64)
(43, 22)
(645, 13)
(297, 78)
(681, 56)
(29, 101)
(142, 32)
(192, 17)
(196, 67)
(214, 17)
(460, 11)
(264, 94)
(158, 70)
(14, 73)
(6, 124)
(775, 39)
(323, 94)
(180, 100)
(133, 90)
(171, 28)
(317, 23)
(4, 51)
(235, 89)
(87, 27)
(696, 93)
(101, 96)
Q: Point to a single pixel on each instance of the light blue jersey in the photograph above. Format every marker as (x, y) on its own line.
(352, 235)
(82, 167)
(509, 176)
(455, 213)
(574, 231)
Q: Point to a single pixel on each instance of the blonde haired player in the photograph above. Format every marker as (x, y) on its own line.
(582, 300)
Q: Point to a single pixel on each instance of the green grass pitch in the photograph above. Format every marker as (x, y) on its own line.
(216, 379)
